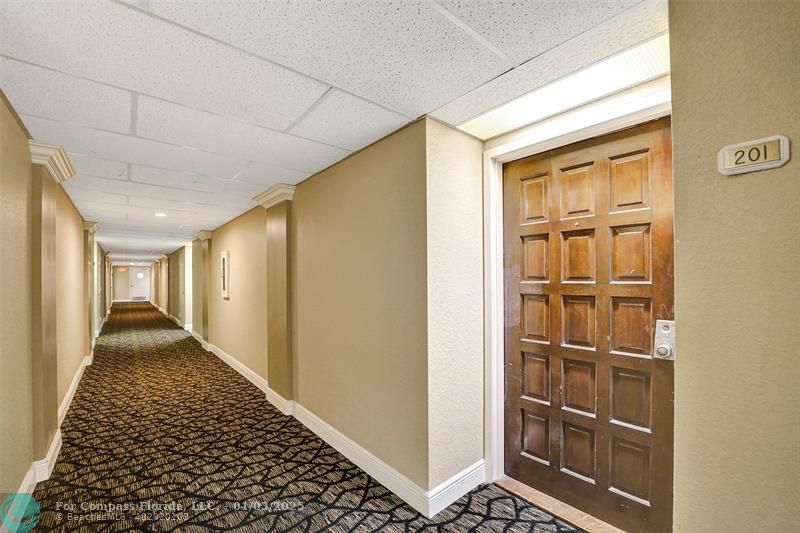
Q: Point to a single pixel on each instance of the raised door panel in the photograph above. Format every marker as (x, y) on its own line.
(536, 376)
(534, 205)
(536, 436)
(579, 388)
(578, 256)
(630, 181)
(535, 258)
(631, 400)
(579, 326)
(630, 470)
(577, 191)
(536, 317)
(578, 451)
(631, 254)
(631, 325)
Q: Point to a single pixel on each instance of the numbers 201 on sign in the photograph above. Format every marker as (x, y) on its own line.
(750, 156)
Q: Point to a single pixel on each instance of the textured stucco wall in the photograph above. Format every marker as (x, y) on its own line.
(454, 198)
(736, 77)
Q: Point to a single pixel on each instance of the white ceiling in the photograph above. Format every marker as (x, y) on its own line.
(191, 108)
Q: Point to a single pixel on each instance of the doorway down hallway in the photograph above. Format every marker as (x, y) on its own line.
(162, 434)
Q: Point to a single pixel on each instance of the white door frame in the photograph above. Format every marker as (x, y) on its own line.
(639, 104)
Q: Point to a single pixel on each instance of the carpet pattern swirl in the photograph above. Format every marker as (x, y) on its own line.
(164, 436)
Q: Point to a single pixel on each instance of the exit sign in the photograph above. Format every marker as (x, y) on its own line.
(751, 156)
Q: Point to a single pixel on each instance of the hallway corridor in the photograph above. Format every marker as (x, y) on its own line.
(158, 421)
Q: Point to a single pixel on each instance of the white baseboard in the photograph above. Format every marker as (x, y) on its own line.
(284, 406)
(409, 491)
(44, 467)
(251, 376)
(73, 386)
(202, 341)
(442, 496)
(187, 327)
(426, 502)
(28, 482)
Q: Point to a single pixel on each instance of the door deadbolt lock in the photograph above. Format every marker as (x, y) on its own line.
(663, 351)
(664, 344)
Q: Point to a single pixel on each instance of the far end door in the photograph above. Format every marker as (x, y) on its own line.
(140, 283)
(589, 269)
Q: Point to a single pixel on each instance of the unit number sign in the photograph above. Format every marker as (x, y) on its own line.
(750, 156)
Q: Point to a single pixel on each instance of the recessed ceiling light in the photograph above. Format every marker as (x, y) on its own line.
(161, 214)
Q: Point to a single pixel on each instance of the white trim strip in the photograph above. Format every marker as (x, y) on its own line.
(251, 376)
(44, 467)
(441, 497)
(409, 491)
(73, 386)
(283, 405)
(201, 340)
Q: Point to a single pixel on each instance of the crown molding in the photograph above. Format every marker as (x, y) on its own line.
(276, 194)
(91, 227)
(54, 158)
(204, 235)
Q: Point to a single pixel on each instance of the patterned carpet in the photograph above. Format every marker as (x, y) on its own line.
(162, 436)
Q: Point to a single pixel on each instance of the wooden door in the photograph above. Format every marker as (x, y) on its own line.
(588, 270)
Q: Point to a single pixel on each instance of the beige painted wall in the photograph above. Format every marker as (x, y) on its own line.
(162, 286)
(176, 284)
(238, 325)
(454, 194)
(43, 318)
(70, 320)
(16, 415)
(198, 288)
(359, 299)
(735, 77)
(121, 283)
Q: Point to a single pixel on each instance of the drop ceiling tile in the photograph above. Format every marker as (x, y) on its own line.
(144, 215)
(526, 29)
(264, 175)
(194, 182)
(348, 121)
(176, 124)
(51, 94)
(403, 55)
(165, 205)
(102, 144)
(637, 24)
(79, 194)
(131, 189)
(102, 168)
(125, 47)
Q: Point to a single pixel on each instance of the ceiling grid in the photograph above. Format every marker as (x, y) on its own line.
(189, 109)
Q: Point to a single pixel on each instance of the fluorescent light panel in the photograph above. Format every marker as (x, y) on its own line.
(632, 67)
